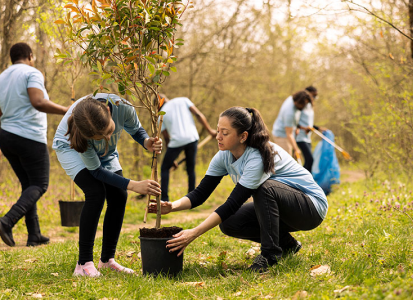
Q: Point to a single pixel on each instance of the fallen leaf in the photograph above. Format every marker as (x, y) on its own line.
(391, 56)
(139, 255)
(319, 270)
(341, 290)
(195, 283)
(238, 294)
(219, 298)
(7, 291)
(299, 295)
(54, 274)
(130, 253)
(31, 260)
(74, 284)
(270, 296)
(250, 252)
(36, 295)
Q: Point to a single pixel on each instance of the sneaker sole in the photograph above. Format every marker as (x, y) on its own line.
(5, 237)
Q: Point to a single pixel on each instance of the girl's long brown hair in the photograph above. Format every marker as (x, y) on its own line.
(250, 120)
(90, 117)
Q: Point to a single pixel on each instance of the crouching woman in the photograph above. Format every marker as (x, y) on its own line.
(286, 197)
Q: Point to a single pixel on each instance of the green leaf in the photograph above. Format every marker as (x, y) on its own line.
(106, 76)
(95, 92)
(151, 68)
(156, 78)
(173, 69)
(161, 113)
(165, 73)
(99, 66)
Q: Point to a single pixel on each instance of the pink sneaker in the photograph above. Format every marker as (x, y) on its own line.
(88, 269)
(112, 264)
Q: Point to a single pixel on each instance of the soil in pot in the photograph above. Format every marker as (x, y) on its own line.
(156, 258)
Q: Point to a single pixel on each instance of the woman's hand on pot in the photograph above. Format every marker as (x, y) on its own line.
(153, 144)
(145, 187)
(166, 207)
(181, 240)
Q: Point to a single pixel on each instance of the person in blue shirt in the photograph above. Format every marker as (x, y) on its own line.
(286, 197)
(306, 122)
(24, 103)
(180, 134)
(85, 144)
(287, 121)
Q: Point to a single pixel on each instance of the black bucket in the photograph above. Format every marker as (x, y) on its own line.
(70, 212)
(156, 259)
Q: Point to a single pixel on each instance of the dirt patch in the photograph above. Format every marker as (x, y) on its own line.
(352, 176)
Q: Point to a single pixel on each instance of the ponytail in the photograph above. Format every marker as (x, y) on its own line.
(77, 141)
(250, 120)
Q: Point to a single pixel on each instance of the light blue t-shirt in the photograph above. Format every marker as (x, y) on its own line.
(124, 117)
(179, 123)
(287, 117)
(19, 116)
(307, 120)
(248, 171)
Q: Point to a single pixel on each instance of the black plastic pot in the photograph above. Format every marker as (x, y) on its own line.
(156, 259)
(70, 212)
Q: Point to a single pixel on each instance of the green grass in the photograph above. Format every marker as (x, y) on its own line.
(366, 244)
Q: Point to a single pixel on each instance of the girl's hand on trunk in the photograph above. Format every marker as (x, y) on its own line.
(145, 187)
(153, 144)
(166, 207)
(181, 240)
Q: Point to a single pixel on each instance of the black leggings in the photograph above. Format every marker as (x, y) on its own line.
(277, 210)
(308, 156)
(95, 193)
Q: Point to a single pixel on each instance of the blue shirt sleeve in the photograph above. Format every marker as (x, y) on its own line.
(133, 126)
(217, 165)
(35, 80)
(90, 158)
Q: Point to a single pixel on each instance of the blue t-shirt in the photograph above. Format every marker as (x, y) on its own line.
(19, 116)
(287, 117)
(179, 123)
(248, 171)
(307, 120)
(124, 117)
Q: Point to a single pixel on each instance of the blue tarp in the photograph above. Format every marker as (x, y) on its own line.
(326, 170)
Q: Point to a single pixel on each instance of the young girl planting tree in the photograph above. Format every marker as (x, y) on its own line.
(85, 144)
(286, 198)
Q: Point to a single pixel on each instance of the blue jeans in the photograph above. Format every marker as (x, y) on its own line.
(170, 156)
(30, 161)
(308, 156)
(277, 210)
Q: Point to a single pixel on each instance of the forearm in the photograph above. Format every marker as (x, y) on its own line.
(50, 107)
(209, 223)
(292, 141)
(204, 122)
(181, 204)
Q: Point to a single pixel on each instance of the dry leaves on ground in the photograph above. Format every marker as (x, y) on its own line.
(341, 290)
(320, 270)
(299, 295)
(195, 283)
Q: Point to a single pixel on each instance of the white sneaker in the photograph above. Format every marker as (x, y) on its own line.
(88, 269)
(112, 264)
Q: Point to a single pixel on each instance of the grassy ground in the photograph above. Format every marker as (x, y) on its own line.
(365, 241)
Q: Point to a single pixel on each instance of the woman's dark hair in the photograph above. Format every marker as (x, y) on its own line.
(311, 89)
(250, 120)
(20, 51)
(89, 118)
(301, 97)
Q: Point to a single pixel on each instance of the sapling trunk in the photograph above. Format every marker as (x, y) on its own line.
(72, 183)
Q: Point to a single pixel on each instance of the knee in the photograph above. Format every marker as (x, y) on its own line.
(226, 228)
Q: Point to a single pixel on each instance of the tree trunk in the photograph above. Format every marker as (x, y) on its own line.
(411, 25)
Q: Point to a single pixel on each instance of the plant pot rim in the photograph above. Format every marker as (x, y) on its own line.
(153, 239)
(75, 201)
